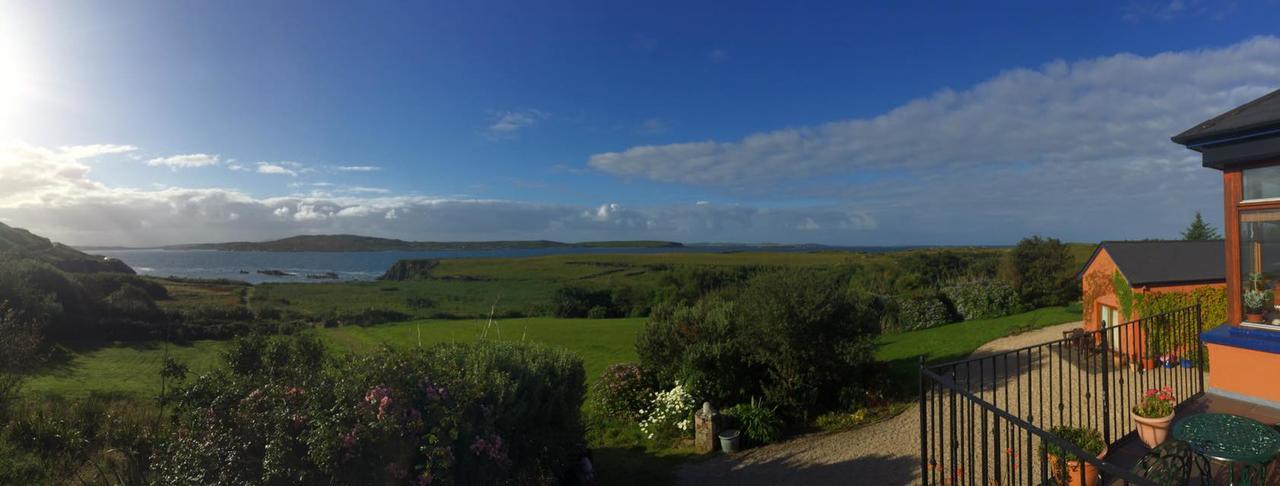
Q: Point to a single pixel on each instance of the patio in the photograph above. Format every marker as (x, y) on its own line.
(1128, 450)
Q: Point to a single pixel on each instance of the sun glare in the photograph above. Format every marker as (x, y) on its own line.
(17, 79)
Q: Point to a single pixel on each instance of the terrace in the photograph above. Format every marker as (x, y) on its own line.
(993, 419)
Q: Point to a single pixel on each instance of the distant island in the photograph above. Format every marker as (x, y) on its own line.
(346, 243)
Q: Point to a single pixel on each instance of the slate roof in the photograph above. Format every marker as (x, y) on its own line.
(1166, 262)
(1256, 115)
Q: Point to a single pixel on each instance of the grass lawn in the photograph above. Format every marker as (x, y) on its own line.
(133, 368)
(956, 341)
(117, 368)
(599, 342)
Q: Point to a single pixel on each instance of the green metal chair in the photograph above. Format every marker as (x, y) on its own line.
(1168, 464)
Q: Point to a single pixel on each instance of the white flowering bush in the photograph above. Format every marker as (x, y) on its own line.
(670, 414)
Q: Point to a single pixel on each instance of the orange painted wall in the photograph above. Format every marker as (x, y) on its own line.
(1244, 371)
(1097, 290)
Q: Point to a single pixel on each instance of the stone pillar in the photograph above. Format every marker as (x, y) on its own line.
(705, 438)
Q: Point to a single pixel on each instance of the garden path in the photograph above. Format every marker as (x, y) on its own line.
(886, 453)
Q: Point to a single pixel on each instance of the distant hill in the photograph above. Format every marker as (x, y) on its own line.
(339, 243)
(68, 259)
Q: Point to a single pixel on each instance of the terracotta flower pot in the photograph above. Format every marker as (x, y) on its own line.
(1251, 317)
(1076, 473)
(1152, 431)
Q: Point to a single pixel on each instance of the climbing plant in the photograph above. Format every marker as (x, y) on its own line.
(1213, 304)
(1124, 294)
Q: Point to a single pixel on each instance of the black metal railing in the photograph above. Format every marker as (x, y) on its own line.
(985, 420)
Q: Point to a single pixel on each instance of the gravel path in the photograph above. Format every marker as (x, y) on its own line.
(886, 453)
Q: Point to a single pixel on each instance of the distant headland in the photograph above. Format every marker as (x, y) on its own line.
(349, 243)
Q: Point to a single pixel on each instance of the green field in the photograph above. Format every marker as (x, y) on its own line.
(133, 368)
(958, 340)
(471, 287)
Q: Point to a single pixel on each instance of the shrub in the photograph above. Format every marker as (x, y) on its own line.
(622, 391)
(598, 312)
(700, 346)
(669, 415)
(629, 301)
(758, 423)
(793, 338)
(808, 338)
(922, 313)
(1042, 272)
(984, 298)
(570, 301)
(283, 411)
(100, 285)
(98, 439)
(367, 317)
(131, 301)
(38, 292)
(687, 284)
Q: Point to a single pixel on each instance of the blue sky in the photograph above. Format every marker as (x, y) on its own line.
(143, 123)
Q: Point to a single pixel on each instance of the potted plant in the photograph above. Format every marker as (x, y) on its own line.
(1255, 299)
(1190, 358)
(1067, 468)
(1254, 302)
(1153, 415)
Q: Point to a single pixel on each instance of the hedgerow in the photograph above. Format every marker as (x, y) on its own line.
(283, 412)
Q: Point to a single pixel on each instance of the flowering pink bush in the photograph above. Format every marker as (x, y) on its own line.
(451, 414)
(622, 391)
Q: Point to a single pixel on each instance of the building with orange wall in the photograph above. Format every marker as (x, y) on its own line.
(1149, 267)
(1146, 267)
(1244, 144)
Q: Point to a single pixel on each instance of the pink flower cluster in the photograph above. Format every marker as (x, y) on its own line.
(379, 396)
(491, 446)
(1163, 394)
(349, 439)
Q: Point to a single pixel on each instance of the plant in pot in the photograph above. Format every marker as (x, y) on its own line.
(1255, 299)
(1254, 302)
(1067, 468)
(1153, 414)
(1190, 358)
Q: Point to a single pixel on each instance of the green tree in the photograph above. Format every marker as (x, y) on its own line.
(1199, 230)
(1041, 271)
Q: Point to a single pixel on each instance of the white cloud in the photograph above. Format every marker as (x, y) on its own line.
(275, 169)
(1120, 109)
(184, 161)
(359, 168)
(89, 151)
(53, 194)
(506, 124)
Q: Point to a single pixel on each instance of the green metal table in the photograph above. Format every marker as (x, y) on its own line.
(1239, 442)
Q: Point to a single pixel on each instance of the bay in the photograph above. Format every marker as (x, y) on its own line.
(244, 265)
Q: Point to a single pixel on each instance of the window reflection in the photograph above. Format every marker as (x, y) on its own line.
(1262, 182)
(1260, 256)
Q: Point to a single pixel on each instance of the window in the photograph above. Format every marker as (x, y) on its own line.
(1262, 183)
(1260, 255)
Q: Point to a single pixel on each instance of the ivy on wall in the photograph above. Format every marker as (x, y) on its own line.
(1213, 304)
(1124, 294)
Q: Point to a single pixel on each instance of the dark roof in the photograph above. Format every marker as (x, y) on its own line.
(1257, 115)
(1166, 262)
